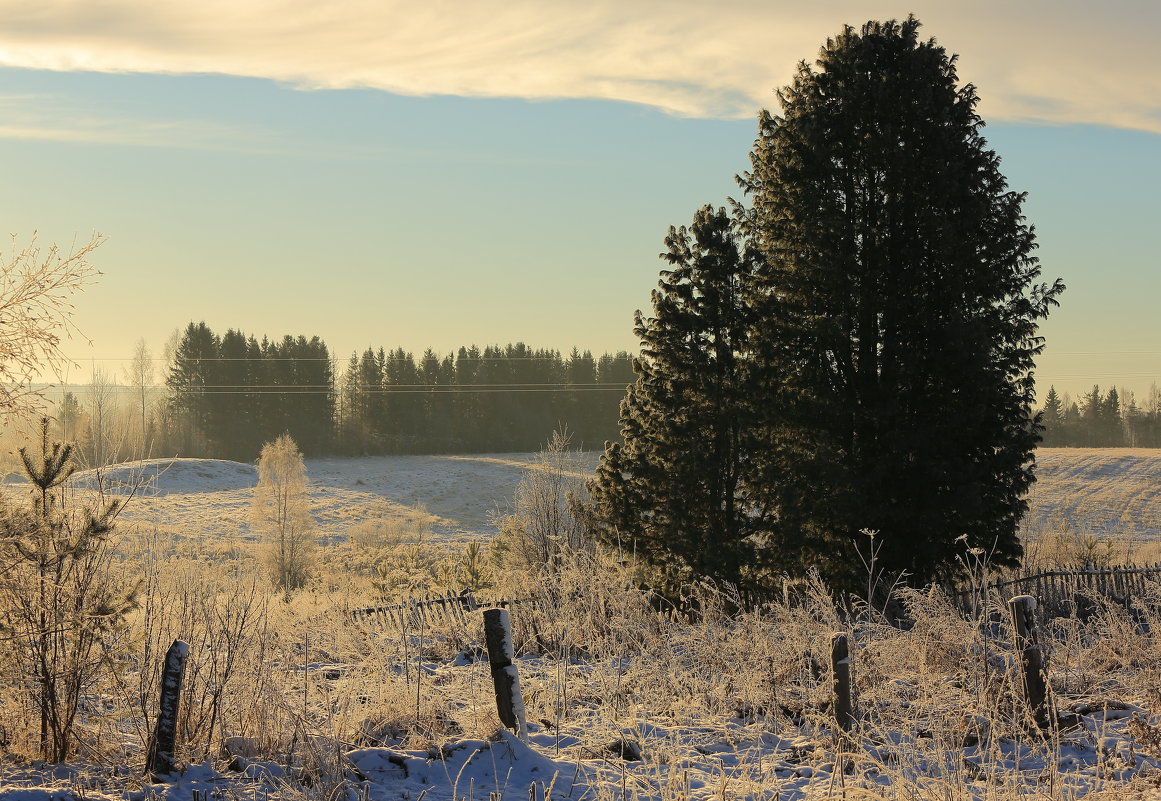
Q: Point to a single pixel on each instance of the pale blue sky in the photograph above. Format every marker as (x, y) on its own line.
(511, 176)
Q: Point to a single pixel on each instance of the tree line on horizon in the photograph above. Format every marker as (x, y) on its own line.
(499, 398)
(1101, 419)
(225, 395)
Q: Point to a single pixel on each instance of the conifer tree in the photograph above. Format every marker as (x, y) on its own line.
(896, 311)
(404, 402)
(61, 600)
(69, 417)
(233, 427)
(676, 492)
(188, 381)
(1052, 418)
(1090, 418)
(1112, 431)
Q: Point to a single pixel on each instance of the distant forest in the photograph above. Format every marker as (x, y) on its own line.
(1102, 419)
(228, 394)
(225, 395)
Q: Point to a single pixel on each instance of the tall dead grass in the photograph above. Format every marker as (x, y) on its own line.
(604, 661)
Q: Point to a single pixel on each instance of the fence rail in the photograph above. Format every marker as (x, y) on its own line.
(1065, 592)
(1058, 592)
(427, 613)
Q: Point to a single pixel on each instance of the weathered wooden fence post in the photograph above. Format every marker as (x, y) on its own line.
(840, 660)
(160, 760)
(1032, 667)
(505, 678)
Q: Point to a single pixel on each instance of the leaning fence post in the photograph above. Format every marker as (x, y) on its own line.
(840, 660)
(1032, 667)
(505, 678)
(160, 761)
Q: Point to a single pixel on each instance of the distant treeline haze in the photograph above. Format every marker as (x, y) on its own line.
(1102, 419)
(226, 395)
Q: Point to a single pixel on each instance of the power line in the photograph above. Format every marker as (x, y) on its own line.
(428, 389)
(556, 357)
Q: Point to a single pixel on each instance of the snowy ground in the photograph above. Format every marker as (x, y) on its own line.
(654, 758)
(612, 735)
(1104, 491)
(211, 497)
(1108, 492)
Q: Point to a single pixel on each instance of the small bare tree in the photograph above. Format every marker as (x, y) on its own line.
(139, 374)
(35, 313)
(106, 430)
(281, 514)
(548, 515)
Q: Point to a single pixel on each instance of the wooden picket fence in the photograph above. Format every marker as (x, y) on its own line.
(428, 613)
(1068, 592)
(1058, 593)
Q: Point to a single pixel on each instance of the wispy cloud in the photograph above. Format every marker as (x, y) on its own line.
(1054, 61)
(63, 118)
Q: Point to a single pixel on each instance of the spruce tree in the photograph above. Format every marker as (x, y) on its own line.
(896, 313)
(189, 381)
(1052, 418)
(1112, 425)
(404, 408)
(62, 600)
(676, 492)
(232, 426)
(1091, 414)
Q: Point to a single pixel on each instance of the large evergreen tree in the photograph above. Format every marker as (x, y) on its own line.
(676, 491)
(896, 312)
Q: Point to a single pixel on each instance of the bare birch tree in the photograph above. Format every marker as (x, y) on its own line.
(36, 287)
(101, 403)
(281, 514)
(139, 375)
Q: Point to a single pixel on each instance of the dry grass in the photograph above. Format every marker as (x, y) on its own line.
(722, 704)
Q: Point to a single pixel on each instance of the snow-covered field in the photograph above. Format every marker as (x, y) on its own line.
(1113, 492)
(211, 497)
(1104, 491)
(627, 705)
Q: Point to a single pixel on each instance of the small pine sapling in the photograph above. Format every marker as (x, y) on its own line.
(61, 603)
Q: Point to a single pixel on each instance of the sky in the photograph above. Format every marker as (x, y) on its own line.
(390, 173)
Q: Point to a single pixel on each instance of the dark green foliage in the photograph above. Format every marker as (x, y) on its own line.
(189, 380)
(1108, 419)
(677, 491)
(1052, 418)
(229, 394)
(499, 398)
(896, 313)
(861, 360)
